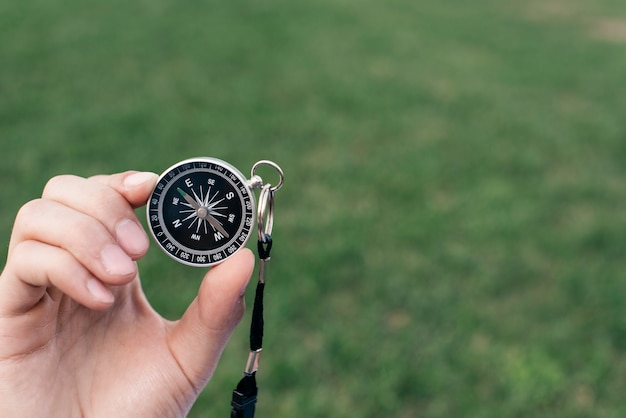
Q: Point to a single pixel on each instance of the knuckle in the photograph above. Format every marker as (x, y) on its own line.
(109, 200)
(86, 236)
(57, 184)
(27, 210)
(18, 253)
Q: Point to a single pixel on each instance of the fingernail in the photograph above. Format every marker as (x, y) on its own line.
(116, 261)
(136, 179)
(99, 291)
(132, 237)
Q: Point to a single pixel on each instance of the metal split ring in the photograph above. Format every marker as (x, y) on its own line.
(281, 175)
(265, 212)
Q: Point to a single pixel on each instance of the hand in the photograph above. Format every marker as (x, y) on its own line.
(77, 335)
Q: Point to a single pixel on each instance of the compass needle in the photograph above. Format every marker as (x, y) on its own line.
(217, 225)
(188, 198)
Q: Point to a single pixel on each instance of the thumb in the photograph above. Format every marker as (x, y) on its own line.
(198, 339)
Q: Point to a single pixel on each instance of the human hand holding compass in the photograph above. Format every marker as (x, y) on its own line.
(77, 334)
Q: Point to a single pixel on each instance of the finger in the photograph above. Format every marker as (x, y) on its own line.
(135, 186)
(81, 235)
(199, 338)
(34, 267)
(104, 204)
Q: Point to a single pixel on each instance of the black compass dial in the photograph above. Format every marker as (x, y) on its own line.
(201, 211)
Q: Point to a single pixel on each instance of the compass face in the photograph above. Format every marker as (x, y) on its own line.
(201, 211)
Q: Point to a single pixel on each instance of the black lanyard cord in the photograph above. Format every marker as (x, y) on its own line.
(245, 395)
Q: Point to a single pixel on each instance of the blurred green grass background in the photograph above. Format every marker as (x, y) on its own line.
(450, 239)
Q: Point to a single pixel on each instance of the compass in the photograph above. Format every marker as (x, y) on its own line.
(201, 211)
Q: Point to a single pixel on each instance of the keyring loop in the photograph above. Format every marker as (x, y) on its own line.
(281, 175)
(265, 212)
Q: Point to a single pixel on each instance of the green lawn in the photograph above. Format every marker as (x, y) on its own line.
(451, 237)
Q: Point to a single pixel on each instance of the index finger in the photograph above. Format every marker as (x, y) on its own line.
(134, 186)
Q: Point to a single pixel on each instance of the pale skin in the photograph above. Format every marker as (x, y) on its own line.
(77, 336)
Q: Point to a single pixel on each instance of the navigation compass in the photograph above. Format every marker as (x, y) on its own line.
(202, 211)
